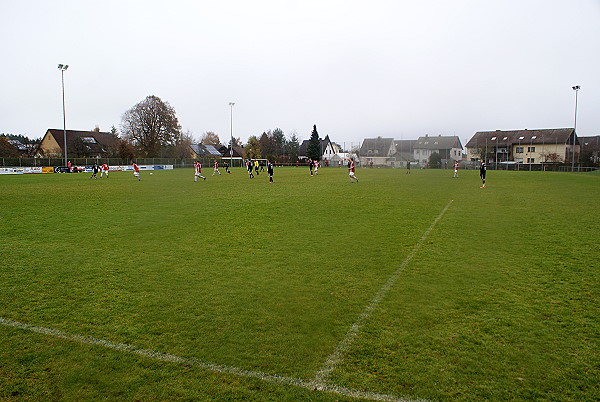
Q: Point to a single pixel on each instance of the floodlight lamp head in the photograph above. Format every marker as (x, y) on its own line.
(231, 103)
(66, 66)
(60, 66)
(576, 87)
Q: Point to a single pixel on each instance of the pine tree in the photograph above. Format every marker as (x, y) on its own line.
(313, 150)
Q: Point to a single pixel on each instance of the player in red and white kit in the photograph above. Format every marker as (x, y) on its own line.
(136, 170)
(455, 169)
(104, 170)
(216, 168)
(351, 168)
(198, 171)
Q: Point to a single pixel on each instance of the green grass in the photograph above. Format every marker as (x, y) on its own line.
(500, 302)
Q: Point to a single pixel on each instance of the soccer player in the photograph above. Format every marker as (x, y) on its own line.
(311, 166)
(482, 171)
(198, 171)
(249, 166)
(256, 166)
(316, 169)
(351, 168)
(104, 170)
(216, 168)
(455, 169)
(95, 169)
(136, 170)
(270, 171)
(407, 167)
(226, 165)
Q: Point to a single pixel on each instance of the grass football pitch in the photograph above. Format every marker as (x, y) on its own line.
(418, 286)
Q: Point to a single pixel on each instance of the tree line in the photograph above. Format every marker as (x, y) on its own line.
(151, 129)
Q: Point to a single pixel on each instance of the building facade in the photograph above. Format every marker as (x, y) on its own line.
(448, 147)
(524, 146)
(79, 143)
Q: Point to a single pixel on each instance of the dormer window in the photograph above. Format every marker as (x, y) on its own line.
(88, 140)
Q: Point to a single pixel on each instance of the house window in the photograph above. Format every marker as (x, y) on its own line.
(530, 149)
(520, 150)
(530, 160)
(88, 140)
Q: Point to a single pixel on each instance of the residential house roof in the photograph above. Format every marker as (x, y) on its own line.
(97, 142)
(205, 150)
(404, 149)
(590, 142)
(439, 142)
(238, 152)
(379, 146)
(540, 136)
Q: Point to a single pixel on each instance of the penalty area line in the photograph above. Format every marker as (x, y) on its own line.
(219, 368)
(337, 356)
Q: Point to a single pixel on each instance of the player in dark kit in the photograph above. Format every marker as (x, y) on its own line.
(226, 166)
(250, 166)
(270, 171)
(95, 170)
(482, 171)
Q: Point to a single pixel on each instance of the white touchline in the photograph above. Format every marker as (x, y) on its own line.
(338, 354)
(220, 368)
(318, 383)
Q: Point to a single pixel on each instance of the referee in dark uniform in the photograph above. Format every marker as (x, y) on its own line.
(482, 171)
(270, 171)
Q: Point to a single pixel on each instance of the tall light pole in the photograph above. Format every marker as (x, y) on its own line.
(63, 68)
(231, 126)
(576, 88)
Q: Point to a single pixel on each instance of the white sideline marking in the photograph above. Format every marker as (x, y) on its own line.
(318, 383)
(338, 354)
(220, 368)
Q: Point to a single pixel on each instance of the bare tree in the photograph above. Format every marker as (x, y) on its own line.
(7, 149)
(210, 138)
(151, 125)
(183, 148)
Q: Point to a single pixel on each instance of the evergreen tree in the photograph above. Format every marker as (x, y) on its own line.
(313, 150)
(435, 160)
(279, 142)
(292, 146)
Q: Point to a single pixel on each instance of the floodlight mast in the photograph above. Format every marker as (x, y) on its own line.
(231, 127)
(63, 68)
(576, 88)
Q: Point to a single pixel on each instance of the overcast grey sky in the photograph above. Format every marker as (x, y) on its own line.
(356, 69)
